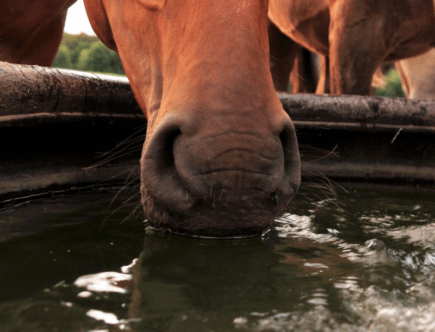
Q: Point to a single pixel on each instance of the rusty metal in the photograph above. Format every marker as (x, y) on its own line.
(54, 123)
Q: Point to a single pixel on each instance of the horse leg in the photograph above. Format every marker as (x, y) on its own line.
(323, 84)
(355, 52)
(283, 51)
(405, 79)
(304, 75)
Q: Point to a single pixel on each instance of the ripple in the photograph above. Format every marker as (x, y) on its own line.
(112, 282)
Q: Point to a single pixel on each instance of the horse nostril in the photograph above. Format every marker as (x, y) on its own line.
(165, 159)
(158, 170)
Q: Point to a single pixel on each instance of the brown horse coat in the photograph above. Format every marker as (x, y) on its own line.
(357, 35)
(31, 30)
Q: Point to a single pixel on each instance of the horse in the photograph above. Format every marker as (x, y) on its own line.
(356, 36)
(31, 31)
(220, 157)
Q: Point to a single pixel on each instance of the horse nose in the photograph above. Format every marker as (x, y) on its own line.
(189, 162)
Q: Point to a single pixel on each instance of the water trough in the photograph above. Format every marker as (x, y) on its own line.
(55, 123)
(364, 261)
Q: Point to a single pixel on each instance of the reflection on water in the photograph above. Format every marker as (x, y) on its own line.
(365, 262)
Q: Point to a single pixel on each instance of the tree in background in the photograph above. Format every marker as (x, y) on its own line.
(83, 52)
(100, 59)
(63, 58)
(72, 41)
(75, 52)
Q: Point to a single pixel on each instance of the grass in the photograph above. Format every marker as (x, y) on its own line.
(393, 86)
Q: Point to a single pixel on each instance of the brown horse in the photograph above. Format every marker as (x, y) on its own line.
(31, 30)
(357, 36)
(220, 156)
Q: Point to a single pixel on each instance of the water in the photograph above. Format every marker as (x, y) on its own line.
(364, 261)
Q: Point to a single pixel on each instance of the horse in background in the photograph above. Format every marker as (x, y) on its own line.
(355, 36)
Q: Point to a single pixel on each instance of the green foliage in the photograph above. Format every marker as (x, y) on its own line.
(75, 52)
(63, 59)
(100, 59)
(83, 52)
(72, 41)
(393, 86)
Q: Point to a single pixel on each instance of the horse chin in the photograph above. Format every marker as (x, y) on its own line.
(228, 218)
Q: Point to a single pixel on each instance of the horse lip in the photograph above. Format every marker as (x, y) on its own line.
(223, 221)
(169, 192)
(223, 170)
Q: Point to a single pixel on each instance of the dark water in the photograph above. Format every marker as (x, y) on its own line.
(363, 260)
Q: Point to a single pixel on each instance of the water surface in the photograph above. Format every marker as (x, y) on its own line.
(362, 260)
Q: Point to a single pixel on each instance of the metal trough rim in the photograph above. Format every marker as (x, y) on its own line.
(80, 96)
